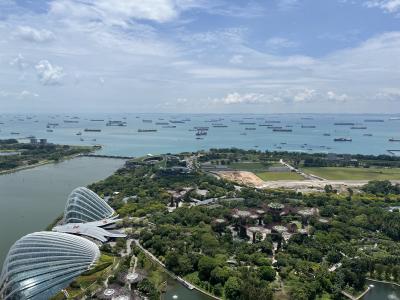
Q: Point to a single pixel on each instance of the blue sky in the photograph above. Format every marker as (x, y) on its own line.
(259, 56)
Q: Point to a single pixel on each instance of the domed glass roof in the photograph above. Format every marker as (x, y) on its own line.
(83, 205)
(41, 264)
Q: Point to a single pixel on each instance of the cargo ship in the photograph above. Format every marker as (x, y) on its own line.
(282, 130)
(201, 132)
(342, 140)
(343, 124)
(147, 130)
(394, 140)
(92, 130)
(116, 123)
(201, 128)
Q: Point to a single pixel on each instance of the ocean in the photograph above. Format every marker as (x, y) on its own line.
(311, 133)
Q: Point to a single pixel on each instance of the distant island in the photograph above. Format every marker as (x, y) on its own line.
(15, 155)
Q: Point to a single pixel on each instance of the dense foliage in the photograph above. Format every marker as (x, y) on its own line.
(352, 236)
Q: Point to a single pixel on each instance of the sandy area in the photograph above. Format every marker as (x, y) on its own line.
(242, 177)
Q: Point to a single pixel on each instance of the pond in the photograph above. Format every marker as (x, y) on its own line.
(382, 291)
(177, 291)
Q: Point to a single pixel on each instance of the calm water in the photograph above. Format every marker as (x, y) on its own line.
(182, 293)
(31, 199)
(128, 141)
(382, 291)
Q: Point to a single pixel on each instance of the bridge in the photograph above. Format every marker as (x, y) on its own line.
(108, 156)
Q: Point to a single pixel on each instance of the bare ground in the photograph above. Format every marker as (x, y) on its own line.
(242, 177)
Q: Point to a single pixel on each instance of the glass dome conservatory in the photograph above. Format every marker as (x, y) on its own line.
(84, 205)
(41, 264)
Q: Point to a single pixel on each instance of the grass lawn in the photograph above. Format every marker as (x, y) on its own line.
(279, 176)
(334, 173)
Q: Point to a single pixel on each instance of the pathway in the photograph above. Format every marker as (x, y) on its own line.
(305, 175)
(180, 279)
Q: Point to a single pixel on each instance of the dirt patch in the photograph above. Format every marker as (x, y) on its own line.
(242, 177)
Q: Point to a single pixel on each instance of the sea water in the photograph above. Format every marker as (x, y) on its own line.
(127, 141)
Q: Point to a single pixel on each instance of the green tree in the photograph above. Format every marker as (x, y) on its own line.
(205, 266)
(232, 288)
(267, 273)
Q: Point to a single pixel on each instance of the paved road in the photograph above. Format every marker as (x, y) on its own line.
(305, 175)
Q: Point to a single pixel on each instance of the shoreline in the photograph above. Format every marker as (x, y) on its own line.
(43, 163)
(384, 281)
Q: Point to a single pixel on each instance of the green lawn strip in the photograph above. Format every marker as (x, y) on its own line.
(253, 166)
(266, 176)
(338, 173)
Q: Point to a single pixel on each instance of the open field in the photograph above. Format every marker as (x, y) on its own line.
(335, 173)
(266, 176)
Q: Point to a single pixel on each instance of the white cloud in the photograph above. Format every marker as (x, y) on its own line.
(49, 74)
(220, 72)
(236, 98)
(34, 35)
(236, 59)
(121, 12)
(20, 62)
(389, 6)
(27, 94)
(18, 95)
(275, 43)
(332, 96)
(305, 95)
(221, 36)
(287, 4)
(124, 43)
(390, 94)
